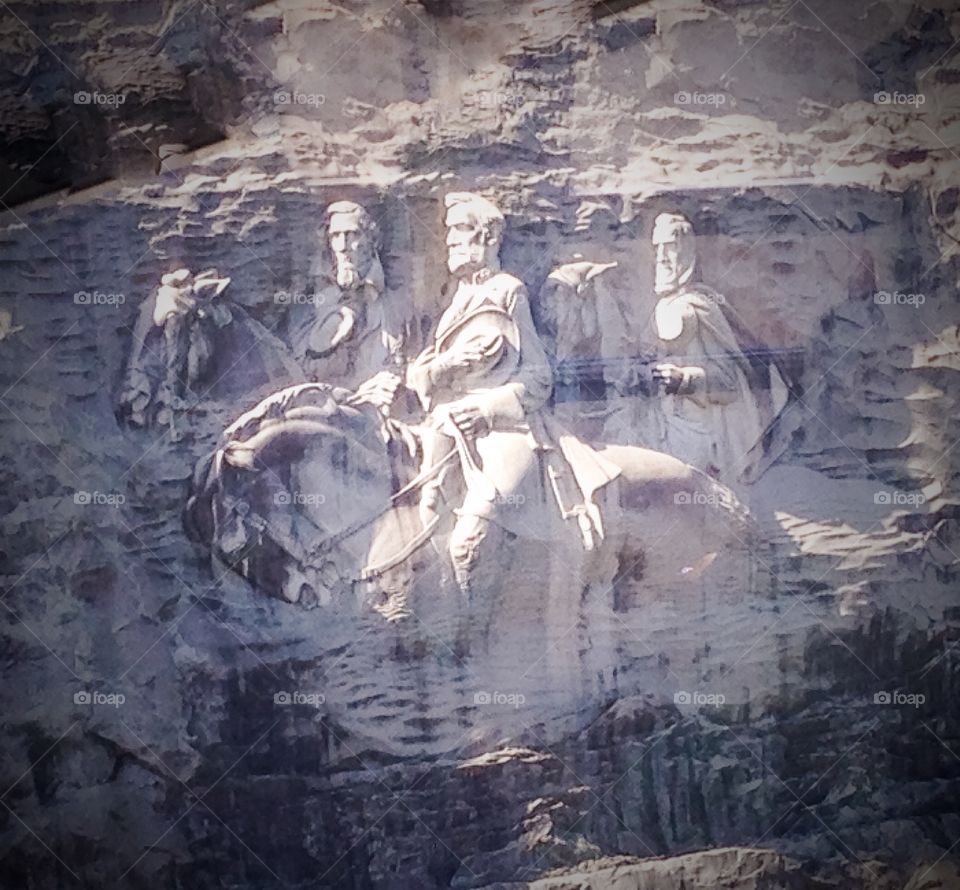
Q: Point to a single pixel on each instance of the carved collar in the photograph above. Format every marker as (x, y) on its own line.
(481, 276)
(669, 315)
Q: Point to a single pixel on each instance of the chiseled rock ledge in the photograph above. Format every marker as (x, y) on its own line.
(727, 868)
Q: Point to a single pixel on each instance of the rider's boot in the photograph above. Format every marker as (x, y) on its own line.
(468, 534)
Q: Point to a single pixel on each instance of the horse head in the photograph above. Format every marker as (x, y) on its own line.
(298, 493)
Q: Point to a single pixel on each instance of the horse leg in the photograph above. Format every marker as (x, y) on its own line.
(601, 625)
(474, 548)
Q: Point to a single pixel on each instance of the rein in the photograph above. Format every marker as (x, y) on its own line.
(328, 543)
(421, 538)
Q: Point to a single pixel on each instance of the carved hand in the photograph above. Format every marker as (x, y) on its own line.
(469, 418)
(457, 360)
(378, 391)
(669, 377)
(172, 300)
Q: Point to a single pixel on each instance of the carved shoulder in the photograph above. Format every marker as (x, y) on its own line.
(506, 291)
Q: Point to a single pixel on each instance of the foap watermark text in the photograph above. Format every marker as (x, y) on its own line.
(500, 699)
(697, 698)
(296, 697)
(110, 699)
(897, 298)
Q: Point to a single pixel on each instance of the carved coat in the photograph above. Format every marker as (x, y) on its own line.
(511, 383)
(715, 418)
(344, 337)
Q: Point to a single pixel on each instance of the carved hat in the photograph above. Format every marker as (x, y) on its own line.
(210, 279)
(578, 275)
(170, 295)
(201, 282)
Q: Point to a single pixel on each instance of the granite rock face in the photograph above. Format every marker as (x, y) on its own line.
(789, 728)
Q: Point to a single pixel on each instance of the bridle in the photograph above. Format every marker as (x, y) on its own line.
(368, 573)
(328, 543)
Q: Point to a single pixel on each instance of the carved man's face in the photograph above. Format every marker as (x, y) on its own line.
(675, 257)
(353, 249)
(468, 243)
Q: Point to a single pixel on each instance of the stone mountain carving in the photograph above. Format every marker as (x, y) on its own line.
(315, 495)
(311, 504)
(483, 383)
(190, 342)
(560, 734)
(349, 326)
(702, 405)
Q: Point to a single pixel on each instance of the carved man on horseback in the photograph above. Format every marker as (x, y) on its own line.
(483, 382)
(318, 493)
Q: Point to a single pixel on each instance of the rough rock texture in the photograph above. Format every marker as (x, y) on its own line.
(584, 120)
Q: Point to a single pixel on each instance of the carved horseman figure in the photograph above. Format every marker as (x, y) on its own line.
(308, 495)
(704, 410)
(189, 341)
(483, 382)
(349, 328)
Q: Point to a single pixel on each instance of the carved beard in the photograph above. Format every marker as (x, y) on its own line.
(671, 276)
(465, 259)
(348, 275)
(667, 278)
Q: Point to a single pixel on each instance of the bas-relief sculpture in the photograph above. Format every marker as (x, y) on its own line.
(319, 495)
(431, 504)
(349, 325)
(703, 400)
(401, 777)
(483, 383)
(172, 345)
(190, 342)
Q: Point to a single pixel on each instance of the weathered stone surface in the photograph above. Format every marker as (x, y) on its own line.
(584, 121)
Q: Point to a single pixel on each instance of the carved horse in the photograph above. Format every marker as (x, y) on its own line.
(313, 498)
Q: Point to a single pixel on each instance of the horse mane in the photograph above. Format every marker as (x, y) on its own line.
(392, 439)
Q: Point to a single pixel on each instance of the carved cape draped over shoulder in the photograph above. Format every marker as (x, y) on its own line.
(716, 417)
